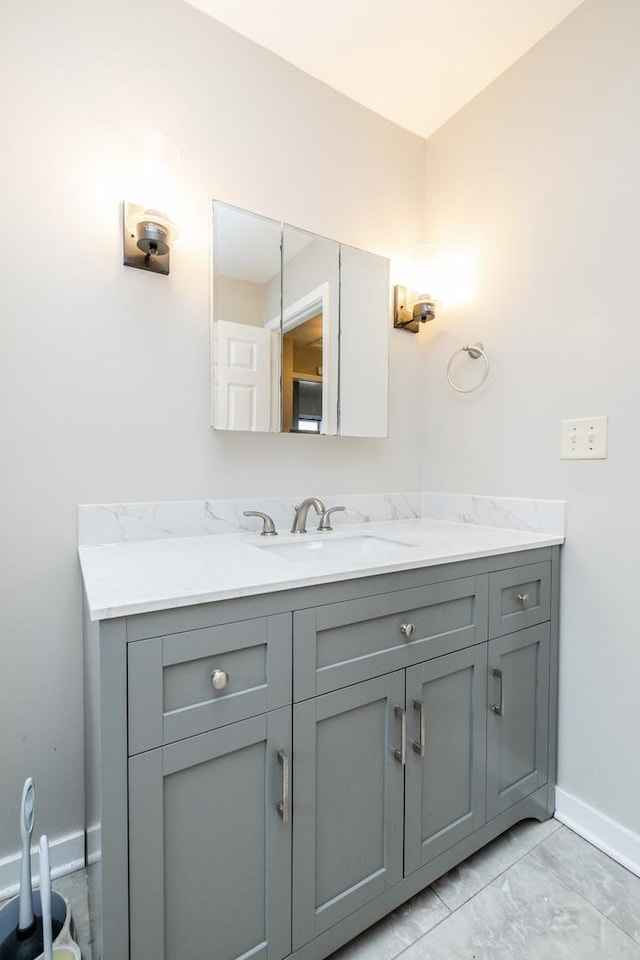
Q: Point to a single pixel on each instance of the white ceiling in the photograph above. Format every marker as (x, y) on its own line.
(415, 62)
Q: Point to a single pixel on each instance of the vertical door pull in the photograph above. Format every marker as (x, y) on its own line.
(283, 804)
(419, 745)
(401, 753)
(498, 707)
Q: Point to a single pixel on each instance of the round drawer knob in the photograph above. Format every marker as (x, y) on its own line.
(219, 679)
(407, 629)
(522, 598)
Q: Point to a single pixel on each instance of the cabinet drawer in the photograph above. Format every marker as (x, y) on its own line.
(344, 643)
(519, 598)
(171, 691)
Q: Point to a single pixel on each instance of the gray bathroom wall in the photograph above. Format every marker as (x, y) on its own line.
(537, 180)
(104, 370)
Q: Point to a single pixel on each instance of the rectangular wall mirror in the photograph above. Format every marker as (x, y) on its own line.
(247, 312)
(299, 330)
(310, 330)
(364, 343)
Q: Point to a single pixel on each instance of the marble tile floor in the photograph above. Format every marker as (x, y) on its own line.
(538, 892)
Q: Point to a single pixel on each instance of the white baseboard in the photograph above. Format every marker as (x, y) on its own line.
(66, 855)
(94, 844)
(612, 838)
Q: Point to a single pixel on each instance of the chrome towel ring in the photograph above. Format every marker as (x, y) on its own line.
(475, 351)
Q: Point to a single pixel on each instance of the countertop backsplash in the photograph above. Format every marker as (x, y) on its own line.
(127, 522)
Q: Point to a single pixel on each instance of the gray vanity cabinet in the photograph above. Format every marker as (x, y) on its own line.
(270, 775)
(348, 793)
(209, 847)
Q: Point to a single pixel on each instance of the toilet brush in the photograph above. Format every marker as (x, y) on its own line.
(69, 949)
(26, 921)
(24, 940)
(45, 897)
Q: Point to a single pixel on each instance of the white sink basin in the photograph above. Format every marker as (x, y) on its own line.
(362, 546)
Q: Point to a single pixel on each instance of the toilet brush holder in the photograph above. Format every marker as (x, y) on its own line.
(62, 923)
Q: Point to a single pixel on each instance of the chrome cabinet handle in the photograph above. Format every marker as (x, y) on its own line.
(498, 708)
(419, 745)
(283, 804)
(219, 679)
(401, 753)
(522, 598)
(407, 629)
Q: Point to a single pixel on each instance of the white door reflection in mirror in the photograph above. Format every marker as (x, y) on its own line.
(244, 390)
(246, 315)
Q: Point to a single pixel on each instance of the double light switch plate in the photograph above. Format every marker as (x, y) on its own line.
(584, 439)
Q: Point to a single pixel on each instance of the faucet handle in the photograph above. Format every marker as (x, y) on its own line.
(268, 526)
(325, 522)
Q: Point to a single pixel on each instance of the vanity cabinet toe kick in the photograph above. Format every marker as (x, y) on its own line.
(287, 769)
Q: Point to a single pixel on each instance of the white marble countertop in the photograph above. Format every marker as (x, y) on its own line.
(141, 576)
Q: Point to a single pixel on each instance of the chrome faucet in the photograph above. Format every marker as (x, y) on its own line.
(300, 518)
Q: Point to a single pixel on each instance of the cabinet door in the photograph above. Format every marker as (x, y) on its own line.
(445, 784)
(518, 717)
(210, 851)
(348, 799)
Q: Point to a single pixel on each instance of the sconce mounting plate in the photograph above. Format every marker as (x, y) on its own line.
(133, 255)
(402, 317)
(405, 319)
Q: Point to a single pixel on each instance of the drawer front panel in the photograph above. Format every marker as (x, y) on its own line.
(187, 683)
(519, 598)
(344, 643)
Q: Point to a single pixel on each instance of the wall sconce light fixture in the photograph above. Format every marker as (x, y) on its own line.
(411, 308)
(146, 238)
(423, 309)
(151, 178)
(450, 275)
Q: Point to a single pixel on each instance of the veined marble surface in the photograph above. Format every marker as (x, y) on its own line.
(126, 522)
(508, 513)
(140, 576)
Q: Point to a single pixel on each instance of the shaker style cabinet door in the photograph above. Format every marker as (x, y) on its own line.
(210, 844)
(348, 799)
(517, 717)
(445, 783)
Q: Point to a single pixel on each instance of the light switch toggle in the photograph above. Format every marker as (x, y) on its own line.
(584, 439)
